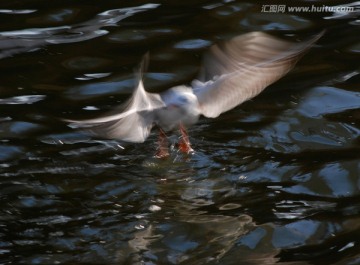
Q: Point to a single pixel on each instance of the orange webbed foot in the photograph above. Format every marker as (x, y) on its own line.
(184, 142)
(162, 149)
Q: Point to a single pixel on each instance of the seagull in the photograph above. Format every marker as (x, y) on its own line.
(232, 72)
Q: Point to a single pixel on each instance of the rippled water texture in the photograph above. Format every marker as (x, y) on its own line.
(275, 180)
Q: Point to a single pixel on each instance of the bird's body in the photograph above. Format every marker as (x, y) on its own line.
(232, 72)
(181, 107)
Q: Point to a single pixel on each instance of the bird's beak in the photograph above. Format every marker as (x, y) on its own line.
(172, 106)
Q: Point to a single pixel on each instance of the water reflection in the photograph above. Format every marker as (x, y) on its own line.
(28, 99)
(273, 181)
(25, 40)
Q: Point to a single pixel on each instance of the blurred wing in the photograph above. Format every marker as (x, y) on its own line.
(241, 68)
(133, 124)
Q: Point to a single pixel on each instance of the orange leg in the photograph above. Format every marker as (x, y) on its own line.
(184, 143)
(163, 149)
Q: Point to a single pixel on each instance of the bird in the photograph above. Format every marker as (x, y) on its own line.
(232, 71)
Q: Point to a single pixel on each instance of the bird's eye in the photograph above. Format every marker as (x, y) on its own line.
(183, 99)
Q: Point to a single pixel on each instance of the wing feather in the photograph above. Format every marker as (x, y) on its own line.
(241, 68)
(135, 121)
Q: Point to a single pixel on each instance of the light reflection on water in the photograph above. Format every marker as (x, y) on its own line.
(274, 180)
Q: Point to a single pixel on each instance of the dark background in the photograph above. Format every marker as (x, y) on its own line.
(274, 180)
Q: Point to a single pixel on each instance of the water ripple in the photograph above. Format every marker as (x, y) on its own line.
(19, 41)
(276, 180)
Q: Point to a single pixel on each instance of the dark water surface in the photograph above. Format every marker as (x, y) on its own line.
(275, 180)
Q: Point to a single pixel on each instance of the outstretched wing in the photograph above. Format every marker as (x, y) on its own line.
(134, 123)
(241, 68)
